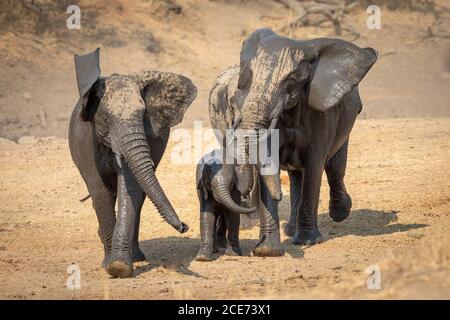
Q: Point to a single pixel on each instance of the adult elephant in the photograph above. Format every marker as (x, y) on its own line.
(309, 91)
(117, 136)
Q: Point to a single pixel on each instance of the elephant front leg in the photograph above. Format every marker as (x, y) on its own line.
(130, 199)
(207, 226)
(295, 180)
(307, 230)
(269, 237)
(340, 200)
(137, 254)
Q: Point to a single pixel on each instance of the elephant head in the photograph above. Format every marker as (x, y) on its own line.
(119, 107)
(221, 186)
(278, 73)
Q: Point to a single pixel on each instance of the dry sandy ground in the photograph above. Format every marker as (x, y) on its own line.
(398, 175)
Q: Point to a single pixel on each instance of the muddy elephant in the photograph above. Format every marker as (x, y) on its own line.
(117, 135)
(220, 206)
(308, 90)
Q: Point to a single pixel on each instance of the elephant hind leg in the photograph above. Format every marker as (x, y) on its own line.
(340, 200)
(220, 229)
(295, 180)
(102, 194)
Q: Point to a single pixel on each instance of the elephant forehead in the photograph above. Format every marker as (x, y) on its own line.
(272, 67)
(122, 96)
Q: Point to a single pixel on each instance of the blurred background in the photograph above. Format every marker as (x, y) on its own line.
(200, 38)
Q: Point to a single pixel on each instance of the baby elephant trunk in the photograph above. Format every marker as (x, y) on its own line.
(223, 196)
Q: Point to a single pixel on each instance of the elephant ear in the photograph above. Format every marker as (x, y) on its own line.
(340, 66)
(87, 69)
(248, 51)
(167, 97)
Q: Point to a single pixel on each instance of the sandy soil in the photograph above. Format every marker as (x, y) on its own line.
(398, 175)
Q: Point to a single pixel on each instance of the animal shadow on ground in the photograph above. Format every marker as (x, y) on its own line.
(361, 222)
(176, 253)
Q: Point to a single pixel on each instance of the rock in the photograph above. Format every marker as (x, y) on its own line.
(27, 140)
(27, 96)
(4, 141)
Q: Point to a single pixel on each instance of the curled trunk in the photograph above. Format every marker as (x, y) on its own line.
(223, 195)
(134, 148)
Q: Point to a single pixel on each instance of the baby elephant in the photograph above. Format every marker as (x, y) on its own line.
(219, 204)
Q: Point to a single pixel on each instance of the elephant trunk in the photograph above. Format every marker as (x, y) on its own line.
(259, 120)
(223, 196)
(134, 148)
(246, 179)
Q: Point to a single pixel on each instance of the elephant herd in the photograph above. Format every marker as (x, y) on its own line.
(305, 91)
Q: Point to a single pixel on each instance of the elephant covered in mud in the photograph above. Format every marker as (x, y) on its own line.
(219, 206)
(308, 90)
(118, 133)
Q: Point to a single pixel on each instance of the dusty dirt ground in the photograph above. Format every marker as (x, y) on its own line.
(398, 175)
(398, 172)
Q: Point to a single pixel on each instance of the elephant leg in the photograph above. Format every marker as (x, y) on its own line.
(207, 228)
(137, 254)
(220, 231)
(269, 237)
(130, 199)
(233, 221)
(103, 202)
(102, 195)
(340, 200)
(307, 230)
(295, 180)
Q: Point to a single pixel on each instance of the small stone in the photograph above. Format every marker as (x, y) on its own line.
(4, 141)
(27, 140)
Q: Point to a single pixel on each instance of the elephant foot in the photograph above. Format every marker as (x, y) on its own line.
(120, 268)
(290, 228)
(105, 262)
(220, 244)
(138, 255)
(340, 206)
(204, 254)
(233, 251)
(268, 247)
(308, 237)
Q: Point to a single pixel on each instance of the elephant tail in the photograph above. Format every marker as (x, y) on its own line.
(85, 198)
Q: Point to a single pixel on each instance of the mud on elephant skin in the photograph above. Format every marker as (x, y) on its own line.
(220, 206)
(117, 135)
(309, 91)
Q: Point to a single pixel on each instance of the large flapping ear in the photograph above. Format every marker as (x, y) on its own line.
(340, 65)
(167, 97)
(87, 69)
(248, 51)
